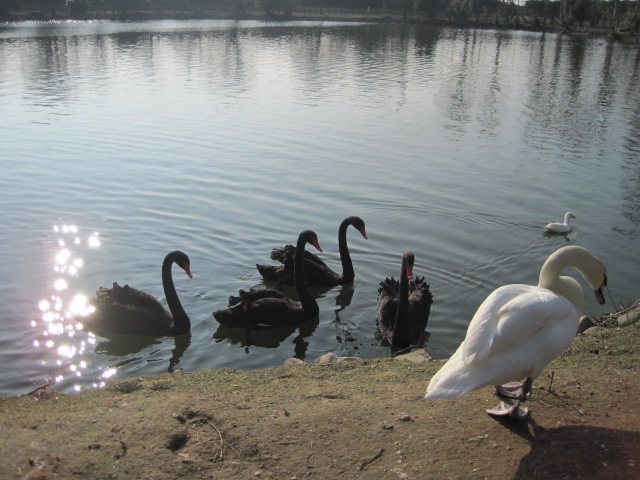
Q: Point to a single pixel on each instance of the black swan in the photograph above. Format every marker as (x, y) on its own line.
(272, 308)
(317, 273)
(403, 307)
(126, 310)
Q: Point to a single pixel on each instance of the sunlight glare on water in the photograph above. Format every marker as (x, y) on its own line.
(59, 328)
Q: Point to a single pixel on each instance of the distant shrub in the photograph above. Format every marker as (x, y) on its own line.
(631, 19)
(78, 6)
(7, 6)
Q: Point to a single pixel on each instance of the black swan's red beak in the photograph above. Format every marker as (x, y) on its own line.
(409, 270)
(187, 269)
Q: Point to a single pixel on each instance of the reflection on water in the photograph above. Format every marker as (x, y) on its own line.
(58, 329)
(223, 139)
(269, 337)
(182, 343)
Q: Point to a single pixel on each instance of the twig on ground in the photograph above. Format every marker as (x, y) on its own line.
(551, 380)
(222, 442)
(124, 450)
(371, 460)
(41, 387)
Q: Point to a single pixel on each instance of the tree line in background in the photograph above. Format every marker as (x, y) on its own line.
(610, 14)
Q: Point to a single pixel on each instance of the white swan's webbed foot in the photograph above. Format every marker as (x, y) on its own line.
(514, 411)
(521, 391)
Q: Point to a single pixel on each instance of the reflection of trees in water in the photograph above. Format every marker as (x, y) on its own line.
(461, 89)
(491, 120)
(217, 57)
(49, 73)
(212, 57)
(631, 182)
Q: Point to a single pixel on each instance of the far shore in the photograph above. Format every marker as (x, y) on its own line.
(491, 22)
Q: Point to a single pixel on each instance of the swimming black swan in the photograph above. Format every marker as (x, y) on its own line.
(126, 310)
(518, 330)
(403, 307)
(317, 273)
(267, 307)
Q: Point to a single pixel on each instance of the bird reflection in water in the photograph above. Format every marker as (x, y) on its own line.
(269, 337)
(343, 300)
(272, 337)
(125, 345)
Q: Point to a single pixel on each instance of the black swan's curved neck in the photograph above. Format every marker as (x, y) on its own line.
(309, 305)
(181, 322)
(348, 273)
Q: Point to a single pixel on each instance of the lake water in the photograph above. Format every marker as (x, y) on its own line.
(124, 141)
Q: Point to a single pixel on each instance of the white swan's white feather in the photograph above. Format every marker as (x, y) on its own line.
(510, 314)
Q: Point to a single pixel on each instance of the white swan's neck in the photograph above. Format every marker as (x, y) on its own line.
(568, 288)
(589, 266)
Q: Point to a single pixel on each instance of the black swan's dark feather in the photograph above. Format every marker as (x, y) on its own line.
(252, 295)
(317, 273)
(404, 306)
(127, 310)
(268, 307)
(286, 254)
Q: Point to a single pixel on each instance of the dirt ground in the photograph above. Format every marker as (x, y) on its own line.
(350, 420)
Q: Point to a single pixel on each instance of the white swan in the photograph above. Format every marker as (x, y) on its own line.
(519, 329)
(563, 227)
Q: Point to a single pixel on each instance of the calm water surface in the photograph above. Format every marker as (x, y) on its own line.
(123, 141)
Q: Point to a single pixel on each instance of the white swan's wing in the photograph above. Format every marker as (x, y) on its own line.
(506, 318)
(540, 310)
(558, 227)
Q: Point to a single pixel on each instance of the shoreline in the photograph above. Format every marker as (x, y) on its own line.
(610, 34)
